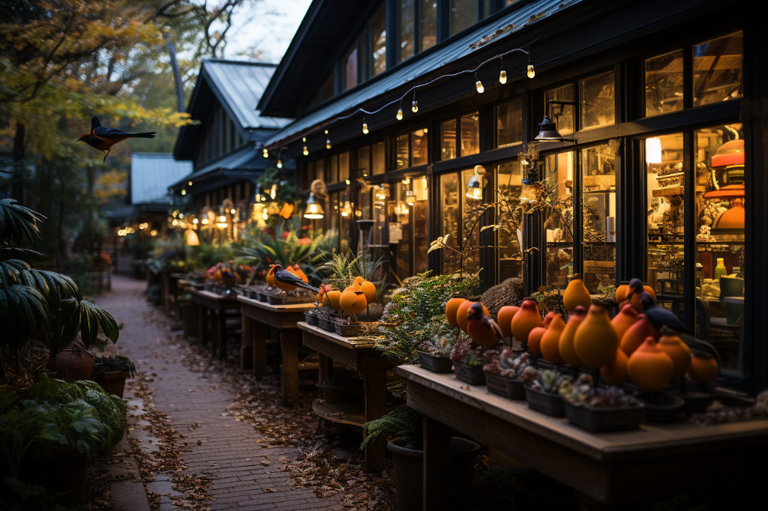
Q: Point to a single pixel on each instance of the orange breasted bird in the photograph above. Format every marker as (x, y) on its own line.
(286, 280)
(481, 328)
(103, 138)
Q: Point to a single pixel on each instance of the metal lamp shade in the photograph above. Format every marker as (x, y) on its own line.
(314, 210)
(548, 131)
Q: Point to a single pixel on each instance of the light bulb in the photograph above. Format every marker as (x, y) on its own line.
(205, 221)
(480, 88)
(328, 143)
(232, 211)
(306, 151)
(399, 114)
(415, 106)
(265, 153)
(410, 198)
(190, 183)
(531, 71)
(503, 77)
(279, 163)
(365, 128)
(194, 221)
(183, 192)
(265, 215)
(175, 222)
(407, 181)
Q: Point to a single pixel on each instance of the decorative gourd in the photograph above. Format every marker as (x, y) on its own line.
(534, 340)
(635, 335)
(526, 319)
(596, 340)
(451, 308)
(624, 319)
(650, 368)
(369, 290)
(648, 289)
(352, 302)
(461, 314)
(548, 318)
(676, 350)
(505, 316)
(567, 351)
(296, 270)
(703, 367)
(576, 294)
(621, 291)
(615, 372)
(333, 298)
(550, 340)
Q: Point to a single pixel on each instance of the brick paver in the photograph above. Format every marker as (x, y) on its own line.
(197, 408)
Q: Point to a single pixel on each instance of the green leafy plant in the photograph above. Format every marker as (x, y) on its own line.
(403, 425)
(114, 363)
(284, 248)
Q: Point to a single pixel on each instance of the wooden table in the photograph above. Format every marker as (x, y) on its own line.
(656, 461)
(358, 355)
(259, 315)
(212, 310)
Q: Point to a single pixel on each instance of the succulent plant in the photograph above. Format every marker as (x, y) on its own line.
(550, 381)
(584, 392)
(461, 350)
(529, 375)
(474, 359)
(491, 362)
(512, 367)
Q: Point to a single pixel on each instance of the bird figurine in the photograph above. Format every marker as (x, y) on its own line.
(481, 328)
(103, 138)
(287, 281)
(660, 317)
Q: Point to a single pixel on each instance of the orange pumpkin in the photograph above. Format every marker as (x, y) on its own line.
(615, 372)
(534, 340)
(677, 351)
(526, 319)
(576, 294)
(650, 368)
(596, 340)
(703, 368)
(505, 316)
(550, 340)
(353, 302)
(369, 290)
(624, 319)
(567, 351)
(451, 309)
(332, 298)
(635, 335)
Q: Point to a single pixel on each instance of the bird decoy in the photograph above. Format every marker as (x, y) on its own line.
(103, 138)
(289, 280)
(660, 317)
(481, 328)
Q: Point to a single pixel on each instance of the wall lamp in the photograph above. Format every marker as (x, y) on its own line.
(548, 128)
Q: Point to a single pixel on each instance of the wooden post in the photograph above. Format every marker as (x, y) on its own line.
(222, 326)
(437, 451)
(289, 344)
(202, 322)
(259, 343)
(246, 345)
(375, 388)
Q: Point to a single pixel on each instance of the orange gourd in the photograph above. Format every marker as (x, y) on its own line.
(649, 290)
(550, 340)
(615, 372)
(567, 351)
(703, 368)
(332, 298)
(576, 294)
(534, 340)
(451, 308)
(296, 270)
(369, 290)
(596, 340)
(677, 351)
(548, 318)
(505, 316)
(621, 291)
(623, 320)
(271, 275)
(461, 314)
(650, 368)
(353, 302)
(635, 335)
(526, 319)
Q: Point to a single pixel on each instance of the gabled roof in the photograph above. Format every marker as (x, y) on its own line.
(152, 174)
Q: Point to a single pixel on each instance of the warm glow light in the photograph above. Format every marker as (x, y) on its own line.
(265, 215)
(153, 232)
(205, 221)
(410, 198)
(415, 106)
(222, 219)
(407, 181)
(365, 128)
(192, 239)
(175, 222)
(531, 71)
(279, 163)
(328, 143)
(382, 192)
(313, 212)
(232, 211)
(265, 153)
(190, 183)
(653, 150)
(346, 210)
(503, 77)
(475, 193)
(194, 221)
(480, 88)
(222, 225)
(399, 114)
(306, 151)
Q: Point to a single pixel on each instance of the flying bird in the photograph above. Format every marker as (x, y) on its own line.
(290, 279)
(103, 139)
(660, 317)
(481, 328)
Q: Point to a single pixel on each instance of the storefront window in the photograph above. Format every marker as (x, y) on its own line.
(364, 161)
(509, 235)
(400, 232)
(349, 64)
(379, 40)
(664, 83)
(470, 134)
(720, 241)
(598, 103)
(343, 167)
(509, 123)
(419, 147)
(420, 220)
(559, 223)
(448, 139)
(402, 151)
(320, 170)
(562, 114)
(406, 20)
(463, 14)
(308, 176)
(428, 23)
(450, 217)
(333, 169)
(598, 220)
(717, 69)
(379, 160)
(470, 211)
(665, 189)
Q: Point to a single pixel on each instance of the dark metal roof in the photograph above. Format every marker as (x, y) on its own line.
(152, 174)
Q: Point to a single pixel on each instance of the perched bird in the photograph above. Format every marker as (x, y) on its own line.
(103, 139)
(633, 294)
(481, 328)
(660, 317)
(289, 280)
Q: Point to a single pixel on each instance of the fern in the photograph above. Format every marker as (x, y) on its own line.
(402, 423)
(18, 223)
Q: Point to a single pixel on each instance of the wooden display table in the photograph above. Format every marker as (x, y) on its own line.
(212, 309)
(653, 462)
(358, 355)
(258, 315)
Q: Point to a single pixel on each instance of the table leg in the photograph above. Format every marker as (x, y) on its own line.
(375, 388)
(202, 323)
(289, 344)
(213, 330)
(437, 449)
(246, 345)
(259, 336)
(326, 368)
(222, 326)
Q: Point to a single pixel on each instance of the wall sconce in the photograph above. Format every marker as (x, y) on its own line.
(548, 128)
(314, 209)
(476, 184)
(382, 192)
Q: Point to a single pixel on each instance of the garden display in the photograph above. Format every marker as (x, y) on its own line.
(223, 276)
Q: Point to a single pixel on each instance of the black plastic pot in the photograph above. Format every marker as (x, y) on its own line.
(661, 406)
(511, 388)
(325, 325)
(409, 470)
(598, 420)
(276, 300)
(469, 374)
(311, 319)
(544, 402)
(347, 330)
(697, 402)
(261, 298)
(435, 364)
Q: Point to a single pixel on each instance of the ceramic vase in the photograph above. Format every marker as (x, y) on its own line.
(576, 294)
(623, 320)
(526, 319)
(567, 351)
(635, 335)
(615, 372)
(677, 351)
(703, 368)
(505, 316)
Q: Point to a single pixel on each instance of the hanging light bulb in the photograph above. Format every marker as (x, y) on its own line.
(190, 183)
(279, 163)
(265, 215)
(327, 140)
(414, 104)
(175, 222)
(503, 76)
(265, 152)
(306, 151)
(400, 114)
(365, 127)
(183, 192)
(205, 221)
(232, 211)
(479, 85)
(410, 197)
(382, 192)
(531, 72)
(346, 210)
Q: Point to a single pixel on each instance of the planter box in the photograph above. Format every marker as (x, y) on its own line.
(276, 300)
(325, 325)
(597, 420)
(697, 402)
(511, 388)
(469, 374)
(112, 382)
(435, 364)
(311, 319)
(298, 299)
(658, 411)
(347, 330)
(544, 402)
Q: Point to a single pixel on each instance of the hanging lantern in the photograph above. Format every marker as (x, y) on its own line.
(314, 209)
(399, 114)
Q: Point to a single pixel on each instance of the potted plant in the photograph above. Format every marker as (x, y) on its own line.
(599, 409)
(311, 317)
(541, 391)
(110, 372)
(503, 374)
(468, 363)
(402, 428)
(435, 353)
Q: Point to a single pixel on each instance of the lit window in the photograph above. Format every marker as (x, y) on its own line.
(470, 134)
(379, 158)
(561, 114)
(419, 147)
(509, 123)
(717, 69)
(559, 227)
(664, 83)
(405, 27)
(448, 140)
(349, 63)
(598, 103)
(379, 41)
(401, 152)
(598, 218)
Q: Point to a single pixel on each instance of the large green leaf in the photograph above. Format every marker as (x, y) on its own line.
(24, 254)
(86, 318)
(10, 272)
(22, 311)
(17, 223)
(60, 286)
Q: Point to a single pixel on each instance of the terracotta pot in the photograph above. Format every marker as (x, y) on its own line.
(550, 340)
(534, 340)
(635, 335)
(576, 294)
(72, 365)
(621, 291)
(451, 310)
(623, 320)
(703, 368)
(567, 351)
(505, 316)
(615, 372)
(67, 471)
(112, 382)
(526, 319)
(596, 340)
(677, 351)
(650, 368)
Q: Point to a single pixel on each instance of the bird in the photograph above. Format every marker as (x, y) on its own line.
(633, 295)
(103, 138)
(289, 280)
(481, 328)
(660, 317)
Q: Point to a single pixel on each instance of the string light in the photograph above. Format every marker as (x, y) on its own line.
(503, 74)
(531, 72)
(479, 84)
(183, 192)
(279, 163)
(190, 183)
(400, 114)
(306, 151)
(265, 152)
(414, 103)
(327, 140)
(365, 127)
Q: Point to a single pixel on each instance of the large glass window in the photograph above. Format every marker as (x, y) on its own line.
(509, 236)
(598, 103)
(509, 123)
(402, 151)
(364, 161)
(598, 216)
(664, 83)
(343, 167)
(379, 40)
(400, 231)
(450, 205)
(349, 65)
(563, 115)
(717, 69)
(379, 158)
(470, 210)
(559, 223)
(427, 23)
(405, 26)
(419, 147)
(470, 134)
(420, 220)
(463, 14)
(448, 140)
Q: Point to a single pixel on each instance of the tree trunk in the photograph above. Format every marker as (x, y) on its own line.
(19, 147)
(176, 75)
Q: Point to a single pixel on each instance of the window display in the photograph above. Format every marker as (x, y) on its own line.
(509, 236)
(598, 102)
(559, 223)
(563, 115)
(448, 139)
(450, 205)
(470, 134)
(509, 123)
(598, 217)
(717, 69)
(664, 83)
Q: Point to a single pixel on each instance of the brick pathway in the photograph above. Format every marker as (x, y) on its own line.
(245, 475)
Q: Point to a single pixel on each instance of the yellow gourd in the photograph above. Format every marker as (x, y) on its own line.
(567, 351)
(353, 302)
(615, 372)
(596, 340)
(576, 294)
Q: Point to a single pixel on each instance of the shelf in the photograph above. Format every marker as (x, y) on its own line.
(667, 192)
(340, 413)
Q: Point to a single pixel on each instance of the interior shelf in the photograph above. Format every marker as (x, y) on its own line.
(341, 413)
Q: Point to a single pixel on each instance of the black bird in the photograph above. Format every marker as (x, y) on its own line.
(103, 138)
(289, 279)
(660, 317)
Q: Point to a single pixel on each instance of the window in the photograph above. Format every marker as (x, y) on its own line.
(664, 83)
(463, 143)
(402, 151)
(598, 103)
(448, 140)
(333, 169)
(427, 23)
(470, 134)
(509, 262)
(471, 208)
(400, 231)
(349, 68)
(509, 123)
(463, 14)
(561, 114)
(419, 147)
(364, 161)
(559, 226)
(450, 205)
(598, 216)
(379, 158)
(378, 43)
(326, 90)
(717, 69)
(420, 220)
(343, 167)
(405, 27)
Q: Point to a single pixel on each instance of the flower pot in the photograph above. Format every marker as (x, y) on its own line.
(311, 319)
(261, 297)
(325, 325)
(544, 402)
(409, 470)
(435, 364)
(68, 473)
(511, 388)
(276, 300)
(661, 406)
(347, 330)
(189, 320)
(697, 402)
(112, 382)
(72, 365)
(469, 374)
(597, 420)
